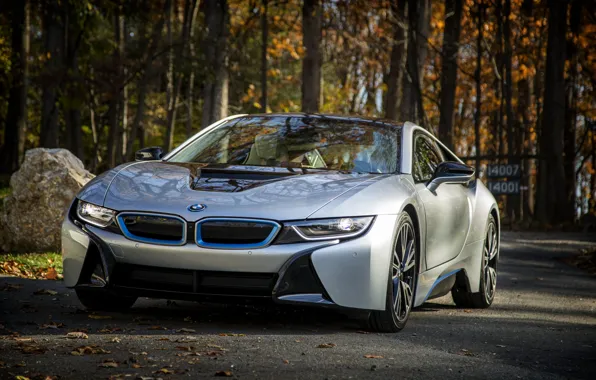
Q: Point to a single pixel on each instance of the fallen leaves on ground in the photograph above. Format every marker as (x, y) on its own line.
(231, 334)
(115, 340)
(286, 361)
(157, 328)
(10, 287)
(30, 347)
(185, 330)
(51, 325)
(45, 292)
(95, 316)
(164, 371)
(186, 339)
(51, 274)
(109, 330)
(108, 363)
(185, 348)
(38, 266)
(89, 350)
(224, 374)
(467, 352)
(326, 345)
(373, 356)
(77, 335)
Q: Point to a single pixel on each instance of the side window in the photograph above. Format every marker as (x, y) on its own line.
(426, 158)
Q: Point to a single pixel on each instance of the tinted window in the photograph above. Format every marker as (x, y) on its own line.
(426, 159)
(298, 142)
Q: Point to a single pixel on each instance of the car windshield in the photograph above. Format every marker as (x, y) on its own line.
(298, 142)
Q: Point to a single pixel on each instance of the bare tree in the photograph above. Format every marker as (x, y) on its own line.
(176, 76)
(53, 41)
(477, 78)
(116, 98)
(453, 12)
(394, 80)
(16, 117)
(215, 88)
(312, 16)
(418, 28)
(72, 107)
(143, 83)
(191, 74)
(264, 44)
(551, 174)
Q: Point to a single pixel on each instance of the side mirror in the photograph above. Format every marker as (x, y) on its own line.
(451, 172)
(149, 154)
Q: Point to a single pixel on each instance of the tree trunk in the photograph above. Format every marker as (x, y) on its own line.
(72, 110)
(477, 78)
(215, 91)
(191, 74)
(453, 12)
(394, 80)
(312, 16)
(264, 44)
(16, 116)
(551, 184)
(116, 99)
(513, 202)
(418, 27)
(143, 83)
(499, 77)
(524, 116)
(571, 109)
(177, 78)
(53, 30)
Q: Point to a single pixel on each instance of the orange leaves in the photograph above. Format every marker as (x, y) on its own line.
(32, 265)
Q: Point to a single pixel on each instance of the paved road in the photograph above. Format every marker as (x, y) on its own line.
(542, 325)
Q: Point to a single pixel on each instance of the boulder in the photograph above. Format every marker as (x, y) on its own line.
(40, 193)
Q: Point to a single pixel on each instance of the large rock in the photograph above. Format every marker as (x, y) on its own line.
(40, 193)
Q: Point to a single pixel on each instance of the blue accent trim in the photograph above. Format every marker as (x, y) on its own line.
(268, 239)
(438, 280)
(141, 239)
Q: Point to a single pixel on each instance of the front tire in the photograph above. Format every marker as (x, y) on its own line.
(100, 300)
(402, 280)
(488, 274)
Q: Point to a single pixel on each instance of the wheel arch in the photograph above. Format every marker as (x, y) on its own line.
(410, 208)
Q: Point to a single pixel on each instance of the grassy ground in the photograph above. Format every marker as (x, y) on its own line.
(32, 265)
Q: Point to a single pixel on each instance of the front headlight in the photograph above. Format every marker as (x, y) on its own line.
(324, 229)
(95, 215)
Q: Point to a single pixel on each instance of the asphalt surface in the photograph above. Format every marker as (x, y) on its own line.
(542, 325)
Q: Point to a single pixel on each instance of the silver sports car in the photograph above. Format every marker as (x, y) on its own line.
(343, 212)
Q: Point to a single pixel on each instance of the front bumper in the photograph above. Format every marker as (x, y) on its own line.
(350, 274)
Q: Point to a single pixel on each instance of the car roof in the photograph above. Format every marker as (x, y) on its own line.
(325, 116)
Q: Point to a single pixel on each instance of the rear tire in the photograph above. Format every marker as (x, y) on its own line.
(488, 273)
(100, 300)
(402, 280)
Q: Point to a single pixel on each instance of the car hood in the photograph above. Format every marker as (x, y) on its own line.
(228, 191)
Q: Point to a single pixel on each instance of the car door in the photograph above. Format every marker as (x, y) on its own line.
(447, 209)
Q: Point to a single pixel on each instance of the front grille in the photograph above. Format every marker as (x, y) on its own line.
(150, 228)
(194, 282)
(235, 233)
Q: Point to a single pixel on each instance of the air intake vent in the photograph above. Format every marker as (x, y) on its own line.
(153, 228)
(235, 233)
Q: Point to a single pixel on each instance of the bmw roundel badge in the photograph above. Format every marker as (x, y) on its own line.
(197, 207)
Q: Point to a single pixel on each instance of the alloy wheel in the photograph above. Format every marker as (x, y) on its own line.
(403, 271)
(491, 249)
